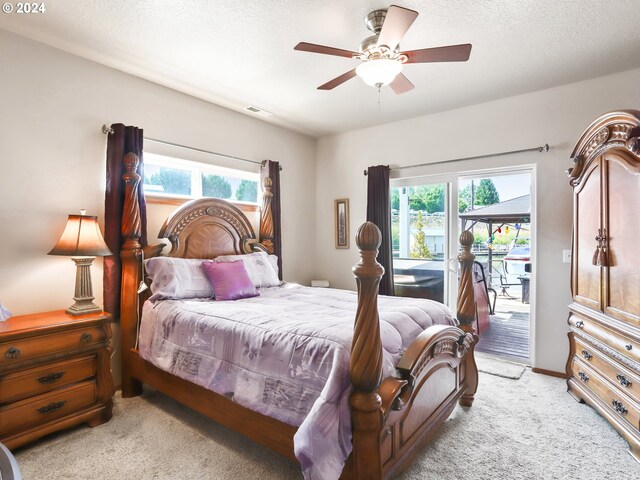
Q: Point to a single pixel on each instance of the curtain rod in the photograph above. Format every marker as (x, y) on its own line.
(544, 148)
(107, 130)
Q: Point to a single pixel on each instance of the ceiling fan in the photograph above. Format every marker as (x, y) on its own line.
(382, 61)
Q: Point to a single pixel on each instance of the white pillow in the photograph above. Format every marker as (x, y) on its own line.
(258, 266)
(273, 261)
(177, 278)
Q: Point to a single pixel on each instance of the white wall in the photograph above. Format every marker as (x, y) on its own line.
(52, 162)
(52, 157)
(556, 116)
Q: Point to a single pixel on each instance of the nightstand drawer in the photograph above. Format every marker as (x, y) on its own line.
(619, 403)
(46, 407)
(28, 348)
(623, 378)
(27, 383)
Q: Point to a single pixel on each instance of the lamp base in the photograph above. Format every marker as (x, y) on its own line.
(84, 292)
(82, 308)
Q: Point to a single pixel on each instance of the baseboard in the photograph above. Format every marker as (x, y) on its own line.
(117, 387)
(551, 373)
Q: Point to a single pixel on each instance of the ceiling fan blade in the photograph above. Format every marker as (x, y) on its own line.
(314, 48)
(452, 53)
(396, 24)
(331, 84)
(401, 84)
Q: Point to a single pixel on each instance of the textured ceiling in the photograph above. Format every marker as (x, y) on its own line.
(238, 53)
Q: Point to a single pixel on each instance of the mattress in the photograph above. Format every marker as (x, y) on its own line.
(284, 354)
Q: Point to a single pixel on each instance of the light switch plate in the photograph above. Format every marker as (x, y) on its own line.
(566, 256)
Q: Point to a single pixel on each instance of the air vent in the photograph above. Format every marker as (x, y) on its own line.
(258, 111)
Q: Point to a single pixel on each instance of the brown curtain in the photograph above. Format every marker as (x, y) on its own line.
(123, 140)
(271, 169)
(379, 212)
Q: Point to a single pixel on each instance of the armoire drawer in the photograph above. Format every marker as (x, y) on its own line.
(611, 370)
(619, 403)
(624, 346)
(26, 383)
(46, 407)
(17, 351)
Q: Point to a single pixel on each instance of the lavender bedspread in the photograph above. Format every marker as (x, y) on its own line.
(284, 354)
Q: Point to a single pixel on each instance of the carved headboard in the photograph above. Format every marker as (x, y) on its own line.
(206, 228)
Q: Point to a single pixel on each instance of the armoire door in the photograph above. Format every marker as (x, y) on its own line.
(622, 221)
(587, 277)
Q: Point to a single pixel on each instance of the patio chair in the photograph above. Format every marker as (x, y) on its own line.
(504, 284)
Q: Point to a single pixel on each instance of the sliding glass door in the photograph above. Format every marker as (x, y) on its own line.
(420, 228)
(427, 216)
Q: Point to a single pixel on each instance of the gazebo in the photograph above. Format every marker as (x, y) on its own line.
(516, 210)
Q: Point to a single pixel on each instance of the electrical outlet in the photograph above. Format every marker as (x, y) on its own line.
(566, 256)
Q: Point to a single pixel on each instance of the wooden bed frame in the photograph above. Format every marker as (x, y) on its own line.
(392, 418)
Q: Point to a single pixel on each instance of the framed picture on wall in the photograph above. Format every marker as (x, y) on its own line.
(341, 217)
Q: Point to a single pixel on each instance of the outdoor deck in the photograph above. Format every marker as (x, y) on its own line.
(508, 331)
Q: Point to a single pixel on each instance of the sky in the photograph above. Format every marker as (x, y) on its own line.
(508, 186)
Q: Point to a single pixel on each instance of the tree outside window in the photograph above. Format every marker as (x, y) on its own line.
(215, 186)
(419, 248)
(171, 180)
(247, 191)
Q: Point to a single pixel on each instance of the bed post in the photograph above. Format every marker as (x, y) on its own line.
(130, 256)
(266, 218)
(466, 313)
(366, 358)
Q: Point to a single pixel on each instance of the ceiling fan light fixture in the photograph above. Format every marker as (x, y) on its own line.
(379, 72)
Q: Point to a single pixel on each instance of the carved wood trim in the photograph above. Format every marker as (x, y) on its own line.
(626, 361)
(366, 358)
(366, 348)
(267, 229)
(466, 306)
(130, 258)
(131, 220)
(436, 341)
(615, 130)
(207, 211)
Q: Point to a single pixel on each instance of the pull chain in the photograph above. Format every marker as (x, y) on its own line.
(378, 97)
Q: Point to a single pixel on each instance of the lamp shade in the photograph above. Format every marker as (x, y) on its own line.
(81, 237)
(379, 72)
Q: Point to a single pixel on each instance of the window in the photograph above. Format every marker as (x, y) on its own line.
(419, 230)
(176, 178)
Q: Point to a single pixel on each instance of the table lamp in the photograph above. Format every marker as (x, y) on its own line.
(82, 241)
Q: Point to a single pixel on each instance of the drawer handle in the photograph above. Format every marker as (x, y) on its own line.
(52, 407)
(52, 377)
(620, 408)
(13, 352)
(86, 338)
(583, 376)
(587, 355)
(623, 380)
(628, 346)
(579, 324)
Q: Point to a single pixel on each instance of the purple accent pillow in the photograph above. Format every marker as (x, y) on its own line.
(230, 281)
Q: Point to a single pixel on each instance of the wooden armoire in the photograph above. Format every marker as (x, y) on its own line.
(604, 318)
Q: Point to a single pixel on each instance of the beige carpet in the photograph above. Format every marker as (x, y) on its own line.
(517, 429)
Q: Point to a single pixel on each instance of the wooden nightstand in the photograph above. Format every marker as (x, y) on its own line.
(54, 373)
